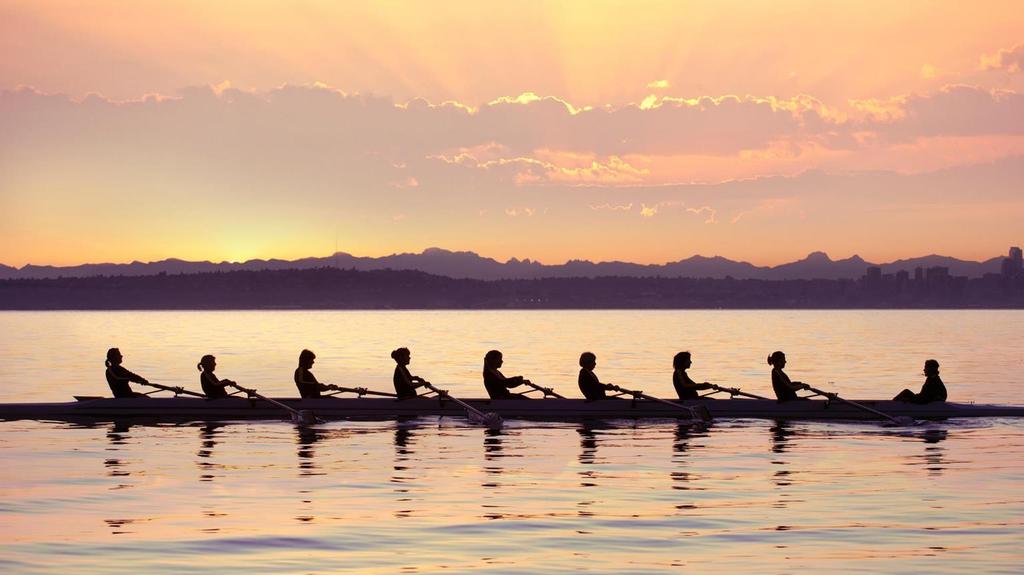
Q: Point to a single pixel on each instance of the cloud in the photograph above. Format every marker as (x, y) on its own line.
(612, 207)
(516, 212)
(524, 170)
(955, 110)
(658, 84)
(1010, 60)
(706, 211)
(335, 138)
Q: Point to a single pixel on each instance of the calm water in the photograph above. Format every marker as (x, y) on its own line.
(429, 495)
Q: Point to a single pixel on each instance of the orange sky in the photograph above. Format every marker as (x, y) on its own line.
(551, 130)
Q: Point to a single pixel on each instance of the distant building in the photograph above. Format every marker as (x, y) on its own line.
(919, 274)
(873, 275)
(937, 275)
(1013, 266)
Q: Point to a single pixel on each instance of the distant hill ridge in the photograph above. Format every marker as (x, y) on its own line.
(464, 264)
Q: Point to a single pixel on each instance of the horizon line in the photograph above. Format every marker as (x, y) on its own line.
(500, 261)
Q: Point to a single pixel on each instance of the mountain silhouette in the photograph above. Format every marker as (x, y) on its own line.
(469, 265)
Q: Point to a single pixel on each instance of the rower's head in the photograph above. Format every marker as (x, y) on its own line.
(207, 363)
(493, 359)
(306, 359)
(777, 359)
(402, 356)
(931, 367)
(682, 360)
(114, 357)
(588, 360)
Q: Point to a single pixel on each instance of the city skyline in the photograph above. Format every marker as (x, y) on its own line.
(547, 132)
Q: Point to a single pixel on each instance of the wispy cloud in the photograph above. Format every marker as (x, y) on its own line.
(707, 212)
(516, 212)
(1008, 59)
(612, 207)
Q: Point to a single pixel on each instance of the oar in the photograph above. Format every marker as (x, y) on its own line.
(736, 391)
(176, 390)
(360, 391)
(547, 390)
(901, 420)
(490, 419)
(300, 417)
(705, 415)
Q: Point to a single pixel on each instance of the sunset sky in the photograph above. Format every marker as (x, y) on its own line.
(640, 131)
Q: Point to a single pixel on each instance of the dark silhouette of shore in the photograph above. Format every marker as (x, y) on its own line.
(331, 288)
(468, 265)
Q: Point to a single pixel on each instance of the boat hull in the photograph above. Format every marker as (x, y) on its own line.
(193, 409)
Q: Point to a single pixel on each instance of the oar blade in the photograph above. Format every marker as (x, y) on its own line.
(304, 417)
(490, 419)
(703, 412)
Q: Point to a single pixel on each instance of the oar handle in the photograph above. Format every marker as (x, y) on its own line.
(254, 393)
(444, 393)
(693, 412)
(547, 390)
(360, 391)
(177, 390)
(736, 391)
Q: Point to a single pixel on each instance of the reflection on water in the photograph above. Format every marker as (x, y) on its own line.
(208, 440)
(403, 475)
(306, 438)
(683, 449)
(436, 495)
(623, 495)
(118, 437)
(933, 458)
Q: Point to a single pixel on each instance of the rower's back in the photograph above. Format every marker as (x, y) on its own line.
(932, 390)
(590, 385)
(211, 385)
(785, 389)
(494, 382)
(118, 377)
(305, 381)
(781, 386)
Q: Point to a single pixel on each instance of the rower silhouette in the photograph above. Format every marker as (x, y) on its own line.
(932, 390)
(686, 388)
(213, 387)
(405, 382)
(785, 390)
(496, 383)
(309, 387)
(591, 387)
(118, 376)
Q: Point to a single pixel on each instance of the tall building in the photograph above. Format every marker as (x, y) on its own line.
(1013, 266)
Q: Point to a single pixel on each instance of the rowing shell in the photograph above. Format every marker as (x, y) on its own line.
(190, 409)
